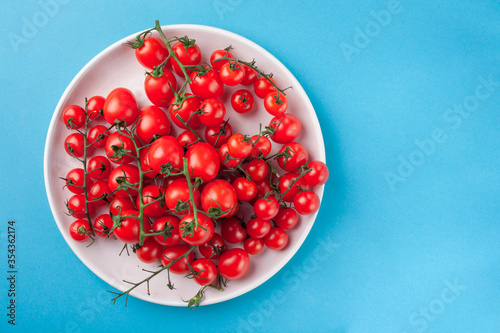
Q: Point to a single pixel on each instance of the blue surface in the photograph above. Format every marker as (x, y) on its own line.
(396, 247)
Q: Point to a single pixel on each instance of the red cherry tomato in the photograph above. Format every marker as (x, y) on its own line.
(226, 159)
(169, 225)
(275, 103)
(258, 228)
(253, 245)
(219, 194)
(95, 106)
(119, 146)
(196, 235)
(98, 168)
(186, 138)
(121, 105)
(128, 230)
(149, 252)
(298, 158)
(218, 135)
(166, 151)
(232, 230)
(120, 204)
(242, 101)
(177, 191)
(170, 253)
(74, 181)
(74, 145)
(245, 189)
(206, 84)
(262, 86)
(284, 184)
(287, 218)
(232, 74)
(150, 194)
(276, 239)
(266, 208)
(203, 161)
(319, 173)
(145, 164)
(217, 54)
(80, 230)
(97, 136)
(76, 206)
(263, 187)
(188, 54)
(287, 127)
(160, 87)
(234, 263)
(126, 172)
(185, 108)
(206, 271)
(152, 52)
(153, 123)
(257, 169)
(73, 117)
(215, 246)
(213, 112)
(99, 193)
(103, 225)
(250, 76)
(239, 146)
(262, 146)
(306, 202)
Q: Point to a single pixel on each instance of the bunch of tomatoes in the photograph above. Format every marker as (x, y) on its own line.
(167, 195)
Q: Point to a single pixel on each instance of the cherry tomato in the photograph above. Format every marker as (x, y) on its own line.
(263, 145)
(188, 54)
(149, 252)
(206, 271)
(263, 187)
(177, 191)
(206, 84)
(153, 123)
(250, 76)
(74, 180)
(215, 246)
(319, 173)
(226, 159)
(298, 158)
(212, 134)
(245, 189)
(74, 145)
(145, 164)
(196, 235)
(120, 204)
(76, 206)
(213, 112)
(95, 106)
(203, 161)
(98, 168)
(151, 52)
(166, 151)
(242, 101)
(232, 230)
(284, 184)
(275, 103)
(287, 127)
(185, 108)
(99, 193)
(219, 194)
(151, 193)
(170, 253)
(219, 54)
(266, 208)
(306, 202)
(170, 226)
(160, 87)
(80, 230)
(121, 105)
(118, 146)
(128, 230)
(276, 239)
(103, 225)
(97, 136)
(186, 138)
(258, 228)
(253, 245)
(73, 117)
(287, 218)
(257, 169)
(262, 86)
(234, 263)
(232, 74)
(126, 172)
(239, 146)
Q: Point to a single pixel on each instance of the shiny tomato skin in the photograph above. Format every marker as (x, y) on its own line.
(287, 218)
(245, 189)
(263, 145)
(250, 76)
(299, 157)
(98, 168)
(208, 85)
(219, 194)
(224, 155)
(266, 208)
(284, 184)
(100, 189)
(258, 228)
(170, 253)
(129, 229)
(306, 203)
(212, 134)
(262, 87)
(80, 230)
(287, 128)
(185, 109)
(234, 263)
(76, 206)
(214, 112)
(203, 161)
(177, 191)
(97, 136)
(318, 175)
(166, 150)
(215, 245)
(239, 146)
(103, 225)
(206, 271)
(257, 169)
(149, 194)
(95, 106)
(152, 52)
(119, 140)
(276, 239)
(186, 138)
(119, 205)
(77, 116)
(232, 230)
(130, 173)
(201, 233)
(145, 164)
(242, 101)
(253, 245)
(74, 145)
(120, 105)
(160, 90)
(275, 103)
(172, 223)
(190, 55)
(153, 123)
(149, 252)
(230, 76)
(75, 180)
(219, 54)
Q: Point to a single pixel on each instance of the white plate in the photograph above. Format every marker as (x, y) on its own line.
(117, 66)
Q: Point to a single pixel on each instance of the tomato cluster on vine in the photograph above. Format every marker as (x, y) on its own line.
(165, 195)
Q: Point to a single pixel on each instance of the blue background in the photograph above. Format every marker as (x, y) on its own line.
(384, 251)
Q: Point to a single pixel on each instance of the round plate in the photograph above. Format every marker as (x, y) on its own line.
(117, 66)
